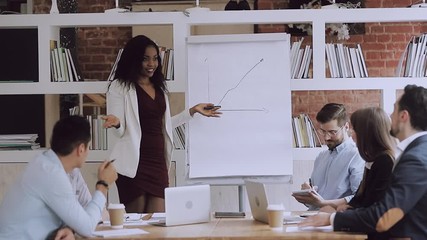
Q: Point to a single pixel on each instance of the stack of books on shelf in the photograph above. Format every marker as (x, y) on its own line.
(304, 133)
(300, 60)
(345, 61)
(166, 54)
(179, 137)
(413, 62)
(63, 64)
(98, 133)
(18, 141)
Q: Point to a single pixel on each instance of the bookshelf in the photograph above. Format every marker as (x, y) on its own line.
(48, 29)
(180, 27)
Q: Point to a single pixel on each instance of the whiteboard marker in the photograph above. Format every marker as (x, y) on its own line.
(211, 107)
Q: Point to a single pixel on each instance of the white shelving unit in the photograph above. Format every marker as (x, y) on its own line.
(48, 28)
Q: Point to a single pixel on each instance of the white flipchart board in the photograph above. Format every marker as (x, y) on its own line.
(248, 75)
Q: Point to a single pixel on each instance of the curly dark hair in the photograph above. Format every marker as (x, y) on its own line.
(130, 64)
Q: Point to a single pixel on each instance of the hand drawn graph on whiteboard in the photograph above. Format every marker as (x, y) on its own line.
(234, 88)
(248, 76)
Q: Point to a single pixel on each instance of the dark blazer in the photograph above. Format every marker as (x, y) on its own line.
(375, 182)
(402, 213)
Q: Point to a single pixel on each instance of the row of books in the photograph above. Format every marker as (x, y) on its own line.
(413, 60)
(166, 55)
(345, 61)
(63, 64)
(300, 60)
(179, 137)
(98, 133)
(304, 133)
(18, 141)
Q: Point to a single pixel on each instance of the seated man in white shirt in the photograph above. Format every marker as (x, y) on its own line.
(337, 172)
(42, 200)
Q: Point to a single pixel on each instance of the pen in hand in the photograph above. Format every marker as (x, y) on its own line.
(211, 107)
(310, 183)
(108, 163)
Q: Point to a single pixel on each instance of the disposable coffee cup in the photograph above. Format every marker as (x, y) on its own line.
(275, 216)
(116, 212)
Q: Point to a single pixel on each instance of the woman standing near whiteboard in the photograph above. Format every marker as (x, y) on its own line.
(138, 111)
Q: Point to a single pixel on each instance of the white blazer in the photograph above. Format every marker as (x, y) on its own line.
(122, 102)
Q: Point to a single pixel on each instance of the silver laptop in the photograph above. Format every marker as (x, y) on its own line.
(257, 200)
(186, 205)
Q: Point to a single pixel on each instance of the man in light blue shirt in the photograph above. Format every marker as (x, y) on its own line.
(80, 187)
(43, 200)
(337, 171)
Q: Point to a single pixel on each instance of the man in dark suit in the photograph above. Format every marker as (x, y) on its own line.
(402, 213)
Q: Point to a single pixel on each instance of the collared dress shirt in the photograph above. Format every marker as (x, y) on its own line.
(337, 173)
(42, 200)
(80, 187)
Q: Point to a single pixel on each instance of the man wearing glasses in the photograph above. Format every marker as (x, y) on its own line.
(338, 170)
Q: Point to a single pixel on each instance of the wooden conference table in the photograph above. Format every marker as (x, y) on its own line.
(230, 229)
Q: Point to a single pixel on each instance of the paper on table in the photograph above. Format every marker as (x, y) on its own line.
(310, 229)
(130, 223)
(290, 219)
(133, 216)
(158, 217)
(119, 232)
(132, 219)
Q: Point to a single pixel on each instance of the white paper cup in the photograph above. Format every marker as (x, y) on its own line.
(116, 212)
(275, 216)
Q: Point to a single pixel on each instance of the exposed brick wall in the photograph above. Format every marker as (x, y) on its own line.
(311, 102)
(97, 47)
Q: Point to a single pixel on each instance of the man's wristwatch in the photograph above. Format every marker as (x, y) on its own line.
(102, 182)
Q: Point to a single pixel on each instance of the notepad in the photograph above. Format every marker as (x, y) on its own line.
(291, 219)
